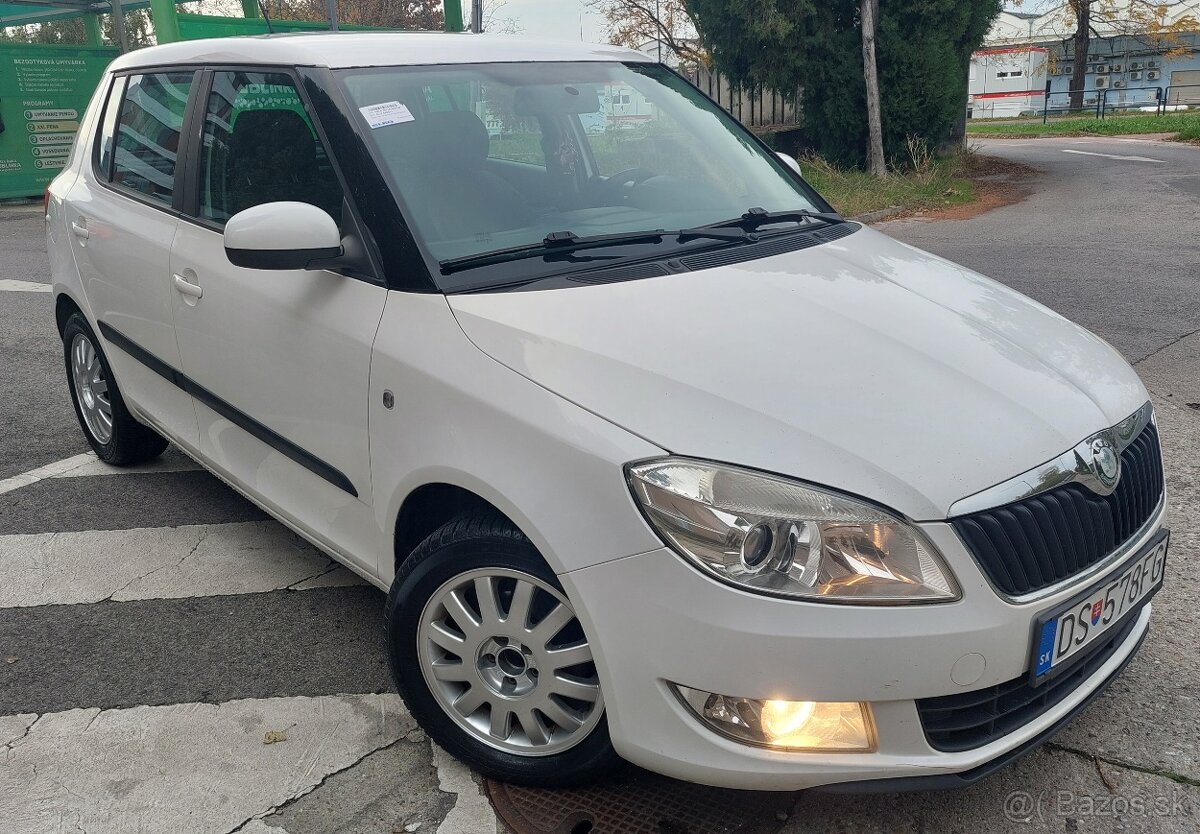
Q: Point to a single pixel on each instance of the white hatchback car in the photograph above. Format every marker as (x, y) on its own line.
(658, 457)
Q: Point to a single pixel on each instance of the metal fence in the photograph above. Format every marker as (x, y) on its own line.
(759, 109)
(1102, 102)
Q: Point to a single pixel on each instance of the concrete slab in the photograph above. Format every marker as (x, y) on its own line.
(202, 768)
(159, 563)
(393, 790)
(1174, 371)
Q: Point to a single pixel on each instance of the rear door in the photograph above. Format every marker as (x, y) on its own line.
(278, 360)
(123, 214)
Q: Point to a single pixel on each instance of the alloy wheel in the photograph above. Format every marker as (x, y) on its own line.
(91, 388)
(506, 658)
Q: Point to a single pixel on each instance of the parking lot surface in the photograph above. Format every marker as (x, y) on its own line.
(173, 660)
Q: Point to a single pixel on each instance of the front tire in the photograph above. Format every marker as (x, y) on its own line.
(110, 429)
(491, 659)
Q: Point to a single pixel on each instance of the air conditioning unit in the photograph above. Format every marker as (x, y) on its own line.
(1152, 64)
(1135, 66)
(1117, 68)
(1136, 75)
(1101, 82)
(1153, 75)
(1118, 83)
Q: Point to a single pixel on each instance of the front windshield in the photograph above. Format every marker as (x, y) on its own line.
(488, 157)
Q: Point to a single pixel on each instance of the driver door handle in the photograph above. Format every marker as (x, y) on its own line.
(186, 287)
(80, 229)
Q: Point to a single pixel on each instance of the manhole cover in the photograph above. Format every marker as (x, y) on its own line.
(642, 803)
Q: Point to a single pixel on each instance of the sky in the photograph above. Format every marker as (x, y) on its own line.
(555, 19)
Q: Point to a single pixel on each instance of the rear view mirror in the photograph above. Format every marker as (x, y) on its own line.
(555, 100)
(283, 235)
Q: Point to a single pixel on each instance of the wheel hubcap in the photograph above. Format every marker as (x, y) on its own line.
(91, 388)
(506, 658)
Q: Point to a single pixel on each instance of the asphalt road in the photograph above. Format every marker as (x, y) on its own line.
(154, 625)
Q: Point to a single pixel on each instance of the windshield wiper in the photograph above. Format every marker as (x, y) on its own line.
(566, 242)
(756, 218)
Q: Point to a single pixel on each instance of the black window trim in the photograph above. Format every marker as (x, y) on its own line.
(402, 260)
(174, 207)
(189, 210)
(97, 140)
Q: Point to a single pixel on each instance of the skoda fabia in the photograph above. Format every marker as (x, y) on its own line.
(657, 457)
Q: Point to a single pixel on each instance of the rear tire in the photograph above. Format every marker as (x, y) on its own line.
(113, 433)
(506, 704)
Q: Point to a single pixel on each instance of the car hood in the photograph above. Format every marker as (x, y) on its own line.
(865, 365)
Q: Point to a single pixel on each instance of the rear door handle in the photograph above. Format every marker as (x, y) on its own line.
(187, 288)
(80, 229)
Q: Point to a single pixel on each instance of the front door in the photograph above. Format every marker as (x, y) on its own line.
(278, 361)
(120, 212)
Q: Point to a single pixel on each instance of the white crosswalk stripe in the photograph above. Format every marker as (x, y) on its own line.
(141, 769)
(160, 563)
(183, 766)
(87, 464)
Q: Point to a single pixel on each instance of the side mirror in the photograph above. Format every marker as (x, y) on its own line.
(282, 235)
(790, 161)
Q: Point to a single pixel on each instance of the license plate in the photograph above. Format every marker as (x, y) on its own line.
(1063, 635)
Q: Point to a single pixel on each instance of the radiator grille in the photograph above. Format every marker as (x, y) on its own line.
(1041, 540)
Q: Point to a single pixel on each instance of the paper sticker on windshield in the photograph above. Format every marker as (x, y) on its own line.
(386, 113)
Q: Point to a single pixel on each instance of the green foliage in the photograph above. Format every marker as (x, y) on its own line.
(938, 184)
(1185, 124)
(924, 51)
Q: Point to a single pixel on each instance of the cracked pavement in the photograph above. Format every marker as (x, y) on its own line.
(154, 627)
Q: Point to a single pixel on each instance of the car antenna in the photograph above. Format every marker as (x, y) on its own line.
(262, 7)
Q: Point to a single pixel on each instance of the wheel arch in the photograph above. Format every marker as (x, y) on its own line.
(429, 506)
(64, 308)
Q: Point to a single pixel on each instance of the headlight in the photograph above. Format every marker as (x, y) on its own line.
(777, 537)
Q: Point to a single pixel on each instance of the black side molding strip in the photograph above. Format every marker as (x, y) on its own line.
(235, 415)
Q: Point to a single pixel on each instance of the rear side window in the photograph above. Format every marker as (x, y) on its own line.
(106, 140)
(148, 133)
(260, 146)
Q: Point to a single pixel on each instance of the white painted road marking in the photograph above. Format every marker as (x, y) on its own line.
(88, 464)
(186, 767)
(1113, 156)
(160, 563)
(13, 285)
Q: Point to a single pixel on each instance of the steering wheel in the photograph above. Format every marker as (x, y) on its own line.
(619, 184)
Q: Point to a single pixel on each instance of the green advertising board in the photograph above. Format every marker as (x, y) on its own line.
(43, 93)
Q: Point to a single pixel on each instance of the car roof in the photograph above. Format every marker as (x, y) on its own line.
(371, 49)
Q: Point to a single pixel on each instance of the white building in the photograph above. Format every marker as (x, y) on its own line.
(1024, 55)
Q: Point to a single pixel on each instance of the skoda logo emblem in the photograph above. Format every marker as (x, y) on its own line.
(1105, 463)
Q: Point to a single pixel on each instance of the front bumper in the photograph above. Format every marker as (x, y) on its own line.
(652, 619)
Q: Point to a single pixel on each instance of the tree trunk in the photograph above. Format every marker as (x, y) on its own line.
(1083, 43)
(875, 160)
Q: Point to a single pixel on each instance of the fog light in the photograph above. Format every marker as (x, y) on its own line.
(827, 726)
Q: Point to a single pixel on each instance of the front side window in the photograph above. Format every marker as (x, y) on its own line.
(489, 157)
(148, 134)
(260, 146)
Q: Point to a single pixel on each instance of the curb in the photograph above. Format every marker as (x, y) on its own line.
(878, 215)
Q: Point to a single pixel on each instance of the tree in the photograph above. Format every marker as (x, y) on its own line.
(1152, 21)
(633, 23)
(923, 52)
(876, 163)
(388, 14)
